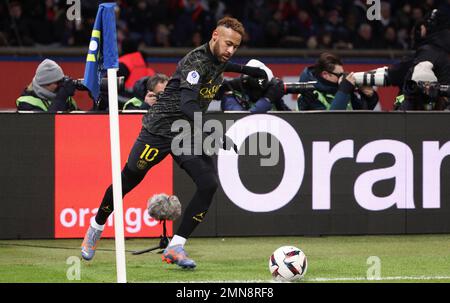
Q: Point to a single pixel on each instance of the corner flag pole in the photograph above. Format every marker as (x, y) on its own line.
(116, 175)
(103, 55)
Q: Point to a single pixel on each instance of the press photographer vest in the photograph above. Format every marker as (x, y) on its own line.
(134, 101)
(40, 103)
(327, 99)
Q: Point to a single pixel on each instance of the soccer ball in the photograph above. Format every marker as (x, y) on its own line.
(288, 263)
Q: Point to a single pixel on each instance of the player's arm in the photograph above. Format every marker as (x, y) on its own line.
(188, 102)
(251, 71)
(189, 107)
(191, 77)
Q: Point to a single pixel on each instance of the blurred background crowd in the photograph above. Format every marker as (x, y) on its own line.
(312, 24)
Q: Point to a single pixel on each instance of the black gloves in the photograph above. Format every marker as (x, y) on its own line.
(251, 71)
(254, 72)
(67, 88)
(346, 86)
(275, 90)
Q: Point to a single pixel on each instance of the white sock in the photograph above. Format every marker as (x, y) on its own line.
(97, 226)
(177, 240)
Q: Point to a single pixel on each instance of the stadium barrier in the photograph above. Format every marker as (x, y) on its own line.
(338, 173)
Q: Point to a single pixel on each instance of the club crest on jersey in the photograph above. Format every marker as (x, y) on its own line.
(193, 77)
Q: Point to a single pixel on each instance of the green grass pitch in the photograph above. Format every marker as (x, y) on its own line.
(412, 258)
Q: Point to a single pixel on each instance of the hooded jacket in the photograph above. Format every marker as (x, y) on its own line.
(30, 101)
(434, 51)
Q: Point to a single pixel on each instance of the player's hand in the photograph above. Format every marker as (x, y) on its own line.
(254, 72)
(259, 73)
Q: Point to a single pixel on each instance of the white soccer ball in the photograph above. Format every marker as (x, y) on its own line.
(288, 263)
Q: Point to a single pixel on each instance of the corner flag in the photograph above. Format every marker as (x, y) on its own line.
(102, 53)
(103, 56)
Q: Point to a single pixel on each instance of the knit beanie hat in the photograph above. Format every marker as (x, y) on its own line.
(48, 72)
(424, 72)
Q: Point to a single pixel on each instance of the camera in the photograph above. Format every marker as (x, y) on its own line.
(79, 84)
(298, 87)
(433, 89)
(376, 77)
(427, 95)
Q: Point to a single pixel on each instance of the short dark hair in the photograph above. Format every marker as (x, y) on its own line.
(233, 23)
(326, 62)
(154, 80)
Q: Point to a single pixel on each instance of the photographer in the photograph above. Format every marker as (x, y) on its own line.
(50, 91)
(255, 95)
(396, 73)
(146, 92)
(431, 66)
(334, 89)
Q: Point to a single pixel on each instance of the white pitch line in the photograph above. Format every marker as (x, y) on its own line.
(326, 279)
(377, 279)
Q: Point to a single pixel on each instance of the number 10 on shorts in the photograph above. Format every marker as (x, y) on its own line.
(149, 154)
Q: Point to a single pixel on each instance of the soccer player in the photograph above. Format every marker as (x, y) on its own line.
(191, 88)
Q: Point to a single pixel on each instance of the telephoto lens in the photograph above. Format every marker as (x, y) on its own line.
(377, 77)
(120, 84)
(79, 84)
(298, 87)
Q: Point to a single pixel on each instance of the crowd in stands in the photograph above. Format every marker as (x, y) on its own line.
(312, 24)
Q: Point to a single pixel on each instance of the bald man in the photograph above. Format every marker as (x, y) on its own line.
(192, 87)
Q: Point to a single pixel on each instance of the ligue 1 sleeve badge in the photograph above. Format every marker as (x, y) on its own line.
(193, 77)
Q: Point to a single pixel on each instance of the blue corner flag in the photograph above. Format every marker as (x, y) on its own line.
(102, 53)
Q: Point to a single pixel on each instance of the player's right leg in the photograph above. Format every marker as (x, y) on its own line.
(147, 151)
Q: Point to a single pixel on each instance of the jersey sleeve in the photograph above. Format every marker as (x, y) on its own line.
(192, 73)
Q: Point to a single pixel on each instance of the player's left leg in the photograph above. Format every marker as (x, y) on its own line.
(203, 172)
(130, 180)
